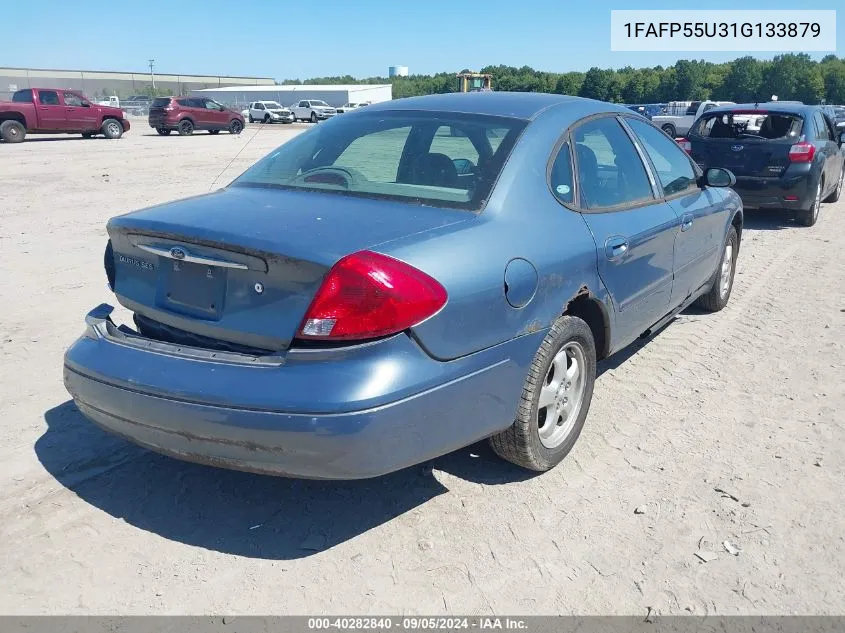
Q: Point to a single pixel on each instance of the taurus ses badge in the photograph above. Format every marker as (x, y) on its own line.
(177, 253)
(737, 148)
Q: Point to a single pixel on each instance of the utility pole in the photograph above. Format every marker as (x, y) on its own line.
(152, 76)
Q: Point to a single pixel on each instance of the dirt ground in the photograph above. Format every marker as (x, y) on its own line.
(722, 428)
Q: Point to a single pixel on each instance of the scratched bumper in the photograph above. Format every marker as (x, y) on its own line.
(372, 411)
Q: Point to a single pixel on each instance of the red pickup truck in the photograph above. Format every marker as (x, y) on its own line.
(57, 111)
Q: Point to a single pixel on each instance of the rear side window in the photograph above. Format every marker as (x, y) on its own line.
(160, 103)
(48, 97)
(745, 124)
(560, 178)
(673, 168)
(22, 96)
(185, 103)
(610, 171)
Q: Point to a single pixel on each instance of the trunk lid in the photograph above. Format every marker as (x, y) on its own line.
(241, 265)
(749, 143)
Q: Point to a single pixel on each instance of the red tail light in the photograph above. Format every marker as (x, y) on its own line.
(802, 152)
(684, 144)
(366, 295)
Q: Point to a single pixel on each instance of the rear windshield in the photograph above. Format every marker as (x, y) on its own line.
(439, 158)
(161, 103)
(749, 124)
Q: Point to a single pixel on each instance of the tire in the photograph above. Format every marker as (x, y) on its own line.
(214, 131)
(266, 119)
(235, 126)
(112, 129)
(669, 129)
(723, 276)
(313, 117)
(809, 216)
(12, 132)
(251, 120)
(163, 131)
(185, 127)
(87, 135)
(524, 442)
(837, 193)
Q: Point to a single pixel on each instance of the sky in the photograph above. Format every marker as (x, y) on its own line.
(361, 38)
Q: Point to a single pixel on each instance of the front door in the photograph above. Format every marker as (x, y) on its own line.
(703, 216)
(78, 111)
(217, 117)
(634, 231)
(51, 112)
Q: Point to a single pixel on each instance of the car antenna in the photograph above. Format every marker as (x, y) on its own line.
(234, 158)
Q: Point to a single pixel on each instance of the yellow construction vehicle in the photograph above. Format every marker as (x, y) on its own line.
(474, 82)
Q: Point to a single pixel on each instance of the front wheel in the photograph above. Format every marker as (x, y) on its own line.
(811, 215)
(313, 117)
(555, 399)
(251, 120)
(723, 278)
(112, 129)
(236, 127)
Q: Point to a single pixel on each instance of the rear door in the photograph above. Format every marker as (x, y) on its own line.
(634, 231)
(203, 118)
(80, 115)
(702, 214)
(51, 111)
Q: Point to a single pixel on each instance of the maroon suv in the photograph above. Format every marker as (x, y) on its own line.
(186, 114)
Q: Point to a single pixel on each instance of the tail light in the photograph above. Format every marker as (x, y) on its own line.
(802, 152)
(684, 144)
(366, 295)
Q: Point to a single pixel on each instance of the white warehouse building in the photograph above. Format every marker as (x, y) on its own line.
(288, 95)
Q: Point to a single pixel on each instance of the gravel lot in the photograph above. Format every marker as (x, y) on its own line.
(723, 427)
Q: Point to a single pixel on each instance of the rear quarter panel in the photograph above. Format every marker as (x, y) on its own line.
(24, 112)
(522, 220)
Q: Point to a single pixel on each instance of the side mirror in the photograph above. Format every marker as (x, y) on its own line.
(85, 104)
(719, 177)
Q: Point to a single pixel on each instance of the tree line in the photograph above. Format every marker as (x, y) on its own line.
(790, 77)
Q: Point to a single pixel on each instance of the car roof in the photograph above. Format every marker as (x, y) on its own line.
(768, 106)
(521, 105)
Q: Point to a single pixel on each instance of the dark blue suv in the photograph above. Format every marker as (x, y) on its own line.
(784, 155)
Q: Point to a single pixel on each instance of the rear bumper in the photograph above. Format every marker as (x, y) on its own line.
(787, 192)
(359, 413)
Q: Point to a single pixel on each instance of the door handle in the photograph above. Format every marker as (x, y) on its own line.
(615, 247)
(686, 222)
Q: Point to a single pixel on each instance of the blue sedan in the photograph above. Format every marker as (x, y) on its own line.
(403, 281)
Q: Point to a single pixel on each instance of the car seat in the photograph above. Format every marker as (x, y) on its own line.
(435, 170)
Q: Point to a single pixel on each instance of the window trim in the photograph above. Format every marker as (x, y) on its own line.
(576, 205)
(661, 192)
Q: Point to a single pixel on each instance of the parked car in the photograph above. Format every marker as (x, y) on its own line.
(58, 111)
(648, 110)
(312, 110)
(186, 114)
(837, 115)
(269, 112)
(348, 107)
(426, 310)
(679, 124)
(784, 156)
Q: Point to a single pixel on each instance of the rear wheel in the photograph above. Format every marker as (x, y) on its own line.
(186, 127)
(669, 129)
(12, 131)
(838, 191)
(112, 129)
(811, 215)
(163, 131)
(555, 398)
(236, 127)
(723, 278)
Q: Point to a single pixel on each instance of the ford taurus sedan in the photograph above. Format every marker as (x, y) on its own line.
(379, 291)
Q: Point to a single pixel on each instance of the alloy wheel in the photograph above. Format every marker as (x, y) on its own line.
(561, 395)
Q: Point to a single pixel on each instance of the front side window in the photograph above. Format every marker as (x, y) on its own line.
(610, 172)
(674, 169)
(399, 155)
(48, 97)
(72, 99)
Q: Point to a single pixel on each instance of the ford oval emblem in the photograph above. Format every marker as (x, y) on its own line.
(736, 148)
(177, 253)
